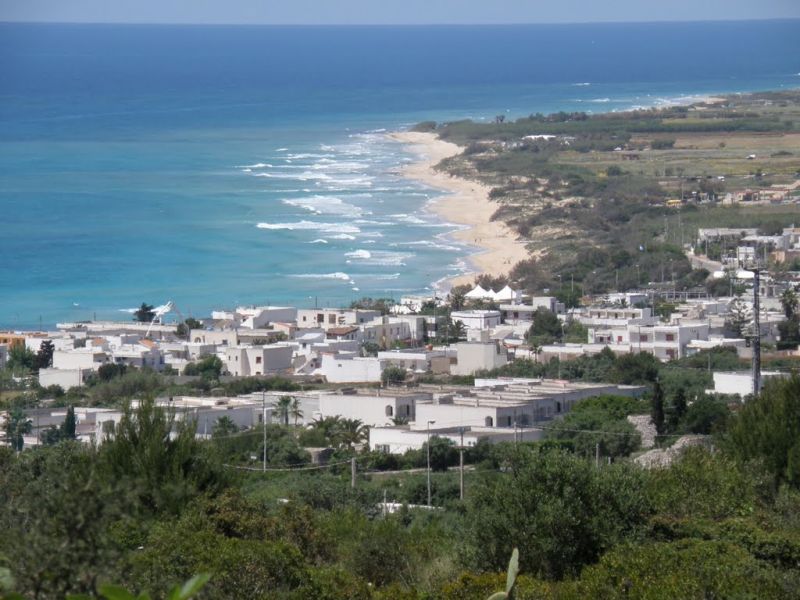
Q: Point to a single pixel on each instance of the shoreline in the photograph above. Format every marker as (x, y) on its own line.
(466, 203)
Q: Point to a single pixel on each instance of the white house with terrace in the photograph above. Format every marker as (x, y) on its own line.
(497, 409)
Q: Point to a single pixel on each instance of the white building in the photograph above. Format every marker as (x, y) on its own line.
(386, 331)
(523, 313)
(372, 410)
(400, 439)
(326, 318)
(350, 368)
(417, 361)
(245, 412)
(477, 319)
(740, 383)
(256, 317)
(141, 355)
(478, 356)
(64, 378)
(606, 317)
(500, 409)
(666, 342)
(214, 337)
(86, 359)
(245, 361)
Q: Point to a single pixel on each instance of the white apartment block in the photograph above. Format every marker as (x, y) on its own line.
(327, 318)
(385, 331)
(350, 368)
(246, 361)
(372, 410)
(666, 342)
(418, 361)
(86, 359)
(256, 317)
(499, 409)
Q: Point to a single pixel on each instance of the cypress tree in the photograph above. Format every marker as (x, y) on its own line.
(657, 408)
(69, 426)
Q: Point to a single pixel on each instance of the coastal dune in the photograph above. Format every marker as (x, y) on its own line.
(465, 203)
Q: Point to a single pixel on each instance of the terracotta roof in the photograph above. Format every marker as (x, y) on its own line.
(333, 331)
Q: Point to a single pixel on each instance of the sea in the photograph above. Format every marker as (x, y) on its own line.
(216, 166)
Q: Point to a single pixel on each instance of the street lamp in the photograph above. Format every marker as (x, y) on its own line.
(428, 445)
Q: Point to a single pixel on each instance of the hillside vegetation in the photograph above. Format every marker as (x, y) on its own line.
(589, 192)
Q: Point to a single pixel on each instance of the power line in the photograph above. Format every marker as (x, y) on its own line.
(288, 468)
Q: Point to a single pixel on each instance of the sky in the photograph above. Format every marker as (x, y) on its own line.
(360, 12)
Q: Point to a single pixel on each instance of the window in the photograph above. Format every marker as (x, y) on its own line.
(670, 337)
(488, 422)
(258, 360)
(642, 337)
(389, 410)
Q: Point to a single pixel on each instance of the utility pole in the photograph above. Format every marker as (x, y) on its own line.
(353, 477)
(597, 455)
(461, 466)
(428, 447)
(264, 429)
(515, 427)
(756, 330)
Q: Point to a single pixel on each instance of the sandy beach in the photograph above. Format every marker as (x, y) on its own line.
(465, 203)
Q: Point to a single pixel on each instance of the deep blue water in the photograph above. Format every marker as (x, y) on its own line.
(137, 162)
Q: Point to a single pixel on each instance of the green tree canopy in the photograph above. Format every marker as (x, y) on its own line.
(208, 367)
(145, 313)
(44, 357)
(559, 510)
(767, 428)
(160, 456)
(21, 360)
(546, 327)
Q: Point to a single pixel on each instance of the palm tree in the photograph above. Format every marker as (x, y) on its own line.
(296, 411)
(329, 426)
(284, 407)
(457, 330)
(224, 427)
(352, 432)
(17, 426)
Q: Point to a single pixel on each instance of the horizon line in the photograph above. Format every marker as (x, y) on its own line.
(379, 24)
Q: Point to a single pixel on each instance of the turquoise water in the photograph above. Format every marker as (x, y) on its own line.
(215, 166)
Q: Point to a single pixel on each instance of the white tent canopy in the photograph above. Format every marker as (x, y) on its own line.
(507, 294)
(480, 294)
